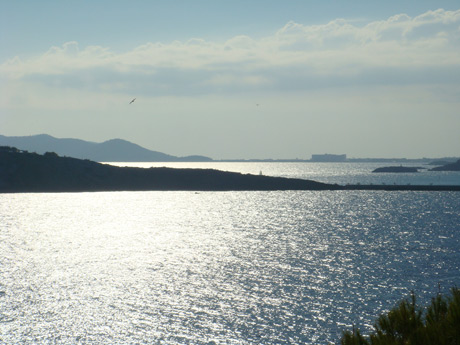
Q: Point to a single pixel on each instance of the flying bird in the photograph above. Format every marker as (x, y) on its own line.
(132, 101)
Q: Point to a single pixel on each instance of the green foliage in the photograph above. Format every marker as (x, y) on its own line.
(354, 338)
(409, 324)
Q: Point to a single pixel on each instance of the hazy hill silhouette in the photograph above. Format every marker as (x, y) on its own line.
(115, 150)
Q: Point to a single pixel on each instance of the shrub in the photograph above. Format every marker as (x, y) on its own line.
(409, 324)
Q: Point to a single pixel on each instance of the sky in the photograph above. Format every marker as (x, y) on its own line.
(236, 79)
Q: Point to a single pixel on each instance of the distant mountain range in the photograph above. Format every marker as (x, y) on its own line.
(118, 150)
(115, 150)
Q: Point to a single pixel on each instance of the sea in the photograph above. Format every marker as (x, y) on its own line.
(276, 267)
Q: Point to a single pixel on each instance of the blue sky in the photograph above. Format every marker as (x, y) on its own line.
(236, 79)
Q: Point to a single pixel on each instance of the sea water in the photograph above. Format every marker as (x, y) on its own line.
(292, 267)
(340, 173)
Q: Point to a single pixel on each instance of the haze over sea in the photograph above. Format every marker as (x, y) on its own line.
(287, 267)
(340, 173)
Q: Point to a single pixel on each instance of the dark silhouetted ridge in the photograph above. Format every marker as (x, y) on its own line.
(21, 171)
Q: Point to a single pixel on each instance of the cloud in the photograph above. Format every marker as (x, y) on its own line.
(398, 50)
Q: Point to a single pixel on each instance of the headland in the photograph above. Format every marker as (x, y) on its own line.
(22, 171)
(25, 172)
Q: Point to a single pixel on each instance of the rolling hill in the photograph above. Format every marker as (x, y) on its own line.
(115, 150)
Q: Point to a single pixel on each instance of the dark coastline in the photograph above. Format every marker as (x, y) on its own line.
(24, 172)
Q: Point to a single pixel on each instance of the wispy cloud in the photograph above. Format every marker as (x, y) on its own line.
(399, 50)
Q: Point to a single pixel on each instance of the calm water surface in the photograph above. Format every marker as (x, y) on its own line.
(340, 173)
(217, 268)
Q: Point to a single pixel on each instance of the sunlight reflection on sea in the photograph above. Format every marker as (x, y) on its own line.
(217, 267)
(340, 173)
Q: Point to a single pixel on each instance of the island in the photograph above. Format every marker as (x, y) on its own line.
(25, 172)
(448, 167)
(396, 169)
